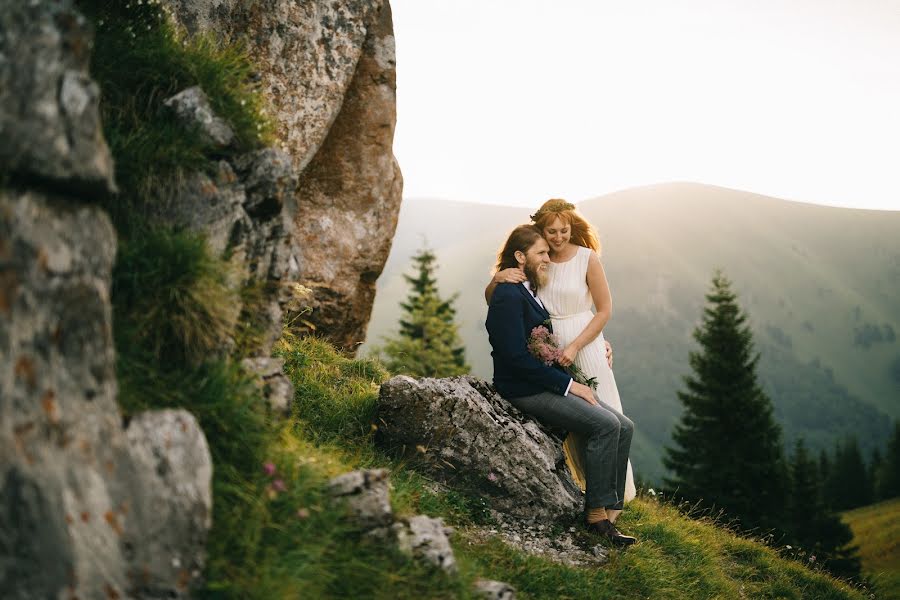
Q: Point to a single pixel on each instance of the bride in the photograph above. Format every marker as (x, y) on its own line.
(575, 284)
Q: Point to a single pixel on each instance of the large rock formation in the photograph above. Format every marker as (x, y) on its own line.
(49, 116)
(328, 70)
(467, 435)
(80, 497)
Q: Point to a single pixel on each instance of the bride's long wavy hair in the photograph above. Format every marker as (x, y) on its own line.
(583, 233)
(521, 239)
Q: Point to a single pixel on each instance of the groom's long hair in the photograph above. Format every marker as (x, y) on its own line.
(521, 239)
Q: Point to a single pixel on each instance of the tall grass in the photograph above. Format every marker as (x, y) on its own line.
(173, 298)
(876, 530)
(140, 59)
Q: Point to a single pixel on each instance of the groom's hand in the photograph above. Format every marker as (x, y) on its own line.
(583, 392)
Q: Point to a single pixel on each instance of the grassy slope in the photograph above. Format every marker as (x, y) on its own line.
(800, 271)
(876, 530)
(678, 557)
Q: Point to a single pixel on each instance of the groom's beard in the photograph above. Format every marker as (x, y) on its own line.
(536, 276)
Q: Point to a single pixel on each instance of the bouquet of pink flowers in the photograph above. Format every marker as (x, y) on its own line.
(544, 346)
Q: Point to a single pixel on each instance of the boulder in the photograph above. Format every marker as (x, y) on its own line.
(85, 510)
(276, 387)
(469, 437)
(426, 540)
(349, 196)
(305, 53)
(165, 543)
(367, 496)
(49, 106)
(494, 590)
(192, 108)
(328, 71)
(245, 210)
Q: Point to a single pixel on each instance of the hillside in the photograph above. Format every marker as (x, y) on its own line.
(820, 284)
(876, 530)
(677, 556)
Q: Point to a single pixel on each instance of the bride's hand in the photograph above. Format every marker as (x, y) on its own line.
(568, 355)
(510, 275)
(608, 353)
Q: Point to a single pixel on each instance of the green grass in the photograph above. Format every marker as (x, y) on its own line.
(876, 530)
(139, 60)
(173, 297)
(678, 556)
(278, 536)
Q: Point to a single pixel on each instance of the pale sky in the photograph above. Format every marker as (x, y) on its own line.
(517, 101)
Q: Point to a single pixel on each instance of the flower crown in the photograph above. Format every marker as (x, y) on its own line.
(552, 206)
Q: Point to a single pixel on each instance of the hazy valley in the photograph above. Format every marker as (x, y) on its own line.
(820, 284)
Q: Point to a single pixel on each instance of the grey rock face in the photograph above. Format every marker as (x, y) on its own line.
(174, 513)
(328, 70)
(192, 107)
(426, 540)
(366, 494)
(246, 211)
(495, 590)
(49, 115)
(277, 388)
(349, 195)
(306, 54)
(80, 502)
(475, 439)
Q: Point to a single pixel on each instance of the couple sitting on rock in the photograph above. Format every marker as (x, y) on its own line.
(549, 273)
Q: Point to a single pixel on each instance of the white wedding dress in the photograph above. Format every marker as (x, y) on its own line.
(568, 300)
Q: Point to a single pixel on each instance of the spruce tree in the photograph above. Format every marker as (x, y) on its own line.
(849, 485)
(875, 463)
(428, 343)
(889, 473)
(727, 451)
(804, 506)
(811, 525)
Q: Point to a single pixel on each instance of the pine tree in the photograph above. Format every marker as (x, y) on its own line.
(875, 463)
(727, 449)
(428, 343)
(804, 506)
(849, 485)
(889, 473)
(811, 525)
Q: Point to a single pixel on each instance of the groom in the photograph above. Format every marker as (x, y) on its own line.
(549, 393)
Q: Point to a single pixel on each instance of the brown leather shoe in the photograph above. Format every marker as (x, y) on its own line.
(606, 529)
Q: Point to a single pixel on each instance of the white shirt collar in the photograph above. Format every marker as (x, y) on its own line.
(527, 285)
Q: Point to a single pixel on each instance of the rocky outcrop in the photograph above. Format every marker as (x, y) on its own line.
(244, 207)
(349, 196)
(328, 71)
(426, 540)
(87, 509)
(49, 113)
(366, 497)
(494, 590)
(81, 499)
(276, 387)
(172, 513)
(466, 435)
(192, 107)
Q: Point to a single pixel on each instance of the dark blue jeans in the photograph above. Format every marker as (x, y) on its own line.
(607, 441)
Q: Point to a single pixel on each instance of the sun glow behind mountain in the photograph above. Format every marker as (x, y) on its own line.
(515, 102)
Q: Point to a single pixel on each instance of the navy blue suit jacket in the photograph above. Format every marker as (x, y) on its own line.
(512, 314)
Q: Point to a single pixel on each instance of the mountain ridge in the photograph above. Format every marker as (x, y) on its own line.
(814, 280)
